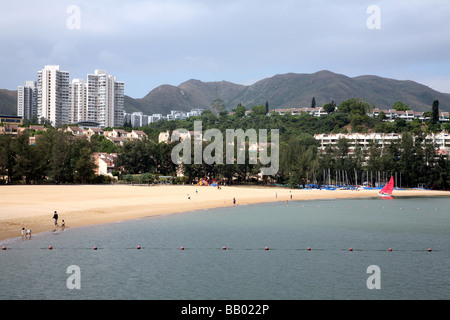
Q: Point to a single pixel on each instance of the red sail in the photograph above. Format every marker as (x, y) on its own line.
(389, 187)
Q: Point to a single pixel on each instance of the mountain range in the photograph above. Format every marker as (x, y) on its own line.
(291, 90)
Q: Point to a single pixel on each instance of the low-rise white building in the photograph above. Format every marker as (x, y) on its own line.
(440, 141)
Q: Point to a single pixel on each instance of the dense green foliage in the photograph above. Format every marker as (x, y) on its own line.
(58, 157)
(300, 161)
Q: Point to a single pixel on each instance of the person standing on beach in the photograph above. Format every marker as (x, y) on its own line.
(234, 200)
(55, 217)
(23, 233)
(28, 234)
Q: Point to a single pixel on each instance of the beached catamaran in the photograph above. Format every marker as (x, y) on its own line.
(387, 189)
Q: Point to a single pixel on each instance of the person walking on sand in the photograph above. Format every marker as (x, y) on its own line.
(234, 200)
(28, 234)
(63, 225)
(23, 233)
(55, 217)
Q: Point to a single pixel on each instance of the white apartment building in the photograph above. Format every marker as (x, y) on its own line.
(53, 95)
(100, 99)
(119, 102)
(27, 100)
(105, 99)
(78, 107)
(137, 119)
(440, 141)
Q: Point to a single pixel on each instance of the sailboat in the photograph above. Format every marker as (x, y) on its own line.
(386, 192)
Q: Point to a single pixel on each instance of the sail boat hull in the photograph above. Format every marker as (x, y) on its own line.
(386, 196)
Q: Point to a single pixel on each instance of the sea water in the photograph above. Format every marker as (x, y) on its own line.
(245, 252)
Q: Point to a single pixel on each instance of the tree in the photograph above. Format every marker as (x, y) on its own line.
(329, 107)
(61, 160)
(84, 165)
(217, 104)
(240, 110)
(102, 144)
(7, 159)
(354, 106)
(259, 110)
(400, 106)
(24, 159)
(435, 112)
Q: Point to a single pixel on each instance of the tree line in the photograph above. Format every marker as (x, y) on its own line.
(57, 157)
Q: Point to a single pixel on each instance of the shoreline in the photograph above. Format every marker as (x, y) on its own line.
(32, 206)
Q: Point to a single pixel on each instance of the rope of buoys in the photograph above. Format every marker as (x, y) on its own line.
(224, 248)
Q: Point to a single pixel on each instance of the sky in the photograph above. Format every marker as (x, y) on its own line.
(150, 43)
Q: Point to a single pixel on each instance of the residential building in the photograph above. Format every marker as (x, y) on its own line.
(12, 129)
(78, 107)
(91, 131)
(356, 139)
(119, 102)
(166, 136)
(105, 163)
(137, 134)
(138, 119)
(53, 100)
(105, 99)
(27, 100)
(4, 120)
(444, 117)
(440, 141)
(317, 112)
(74, 130)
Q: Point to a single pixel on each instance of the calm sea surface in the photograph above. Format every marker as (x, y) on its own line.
(245, 270)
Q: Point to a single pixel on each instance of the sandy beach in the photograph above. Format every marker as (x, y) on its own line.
(32, 207)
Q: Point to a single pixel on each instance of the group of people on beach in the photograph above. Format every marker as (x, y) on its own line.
(26, 233)
(55, 219)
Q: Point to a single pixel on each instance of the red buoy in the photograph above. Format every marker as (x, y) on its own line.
(266, 248)
(50, 248)
(390, 249)
(350, 249)
(138, 247)
(224, 248)
(182, 248)
(95, 248)
(3, 248)
(429, 249)
(309, 248)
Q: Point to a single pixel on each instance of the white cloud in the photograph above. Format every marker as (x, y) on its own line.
(235, 40)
